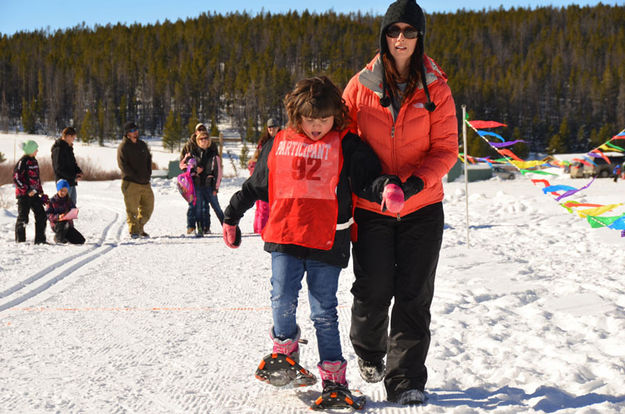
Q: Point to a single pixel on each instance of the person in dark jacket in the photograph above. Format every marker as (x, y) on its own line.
(64, 161)
(29, 194)
(307, 174)
(135, 162)
(206, 181)
(58, 208)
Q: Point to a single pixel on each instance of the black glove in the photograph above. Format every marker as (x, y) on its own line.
(382, 181)
(412, 186)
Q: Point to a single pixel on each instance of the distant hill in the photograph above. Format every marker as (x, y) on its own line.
(554, 75)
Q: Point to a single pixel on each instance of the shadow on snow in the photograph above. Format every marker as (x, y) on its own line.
(550, 399)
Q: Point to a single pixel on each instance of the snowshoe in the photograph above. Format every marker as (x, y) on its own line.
(280, 370)
(338, 396)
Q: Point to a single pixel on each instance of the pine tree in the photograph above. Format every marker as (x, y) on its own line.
(171, 131)
(111, 127)
(4, 114)
(40, 103)
(605, 133)
(101, 115)
(181, 133)
(544, 64)
(581, 139)
(214, 131)
(244, 157)
(88, 128)
(250, 132)
(28, 116)
(557, 144)
(520, 149)
(193, 121)
(477, 146)
(123, 110)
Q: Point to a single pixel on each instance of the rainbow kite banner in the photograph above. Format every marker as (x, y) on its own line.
(591, 212)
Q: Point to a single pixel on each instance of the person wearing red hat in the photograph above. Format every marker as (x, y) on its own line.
(402, 107)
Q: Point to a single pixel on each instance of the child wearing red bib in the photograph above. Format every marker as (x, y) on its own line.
(308, 174)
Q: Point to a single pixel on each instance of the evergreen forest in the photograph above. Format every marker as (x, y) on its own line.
(554, 75)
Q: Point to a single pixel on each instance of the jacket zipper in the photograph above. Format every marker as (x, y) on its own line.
(393, 143)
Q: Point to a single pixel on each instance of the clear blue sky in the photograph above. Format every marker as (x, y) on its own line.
(29, 15)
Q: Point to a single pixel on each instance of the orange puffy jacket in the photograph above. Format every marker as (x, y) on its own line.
(415, 142)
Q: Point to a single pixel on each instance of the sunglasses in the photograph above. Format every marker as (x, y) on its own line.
(202, 139)
(409, 32)
(133, 130)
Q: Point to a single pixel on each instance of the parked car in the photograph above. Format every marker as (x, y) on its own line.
(576, 170)
(601, 168)
(505, 172)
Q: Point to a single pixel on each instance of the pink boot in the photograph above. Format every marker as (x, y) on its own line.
(282, 367)
(288, 347)
(333, 371)
(335, 392)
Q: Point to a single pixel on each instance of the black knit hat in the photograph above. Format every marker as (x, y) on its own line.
(409, 12)
(404, 11)
(128, 126)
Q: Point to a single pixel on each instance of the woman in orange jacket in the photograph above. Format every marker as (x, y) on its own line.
(402, 107)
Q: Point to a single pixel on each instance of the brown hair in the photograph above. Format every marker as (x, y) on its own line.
(316, 97)
(414, 72)
(68, 131)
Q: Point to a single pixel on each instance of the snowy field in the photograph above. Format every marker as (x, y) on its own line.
(530, 317)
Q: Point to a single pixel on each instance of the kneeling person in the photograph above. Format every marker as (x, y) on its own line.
(61, 222)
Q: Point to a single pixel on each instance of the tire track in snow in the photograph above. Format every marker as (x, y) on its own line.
(64, 267)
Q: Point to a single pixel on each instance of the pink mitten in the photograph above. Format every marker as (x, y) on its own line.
(232, 236)
(392, 198)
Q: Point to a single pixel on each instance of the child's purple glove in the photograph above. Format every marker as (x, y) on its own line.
(392, 198)
(45, 199)
(232, 236)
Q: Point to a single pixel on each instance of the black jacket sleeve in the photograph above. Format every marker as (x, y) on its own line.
(254, 188)
(363, 168)
(19, 175)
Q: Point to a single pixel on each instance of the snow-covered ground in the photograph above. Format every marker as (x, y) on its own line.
(530, 317)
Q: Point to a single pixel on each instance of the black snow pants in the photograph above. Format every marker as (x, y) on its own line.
(24, 205)
(64, 232)
(396, 259)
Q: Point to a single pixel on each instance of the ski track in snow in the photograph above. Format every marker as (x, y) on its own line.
(529, 318)
(59, 270)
